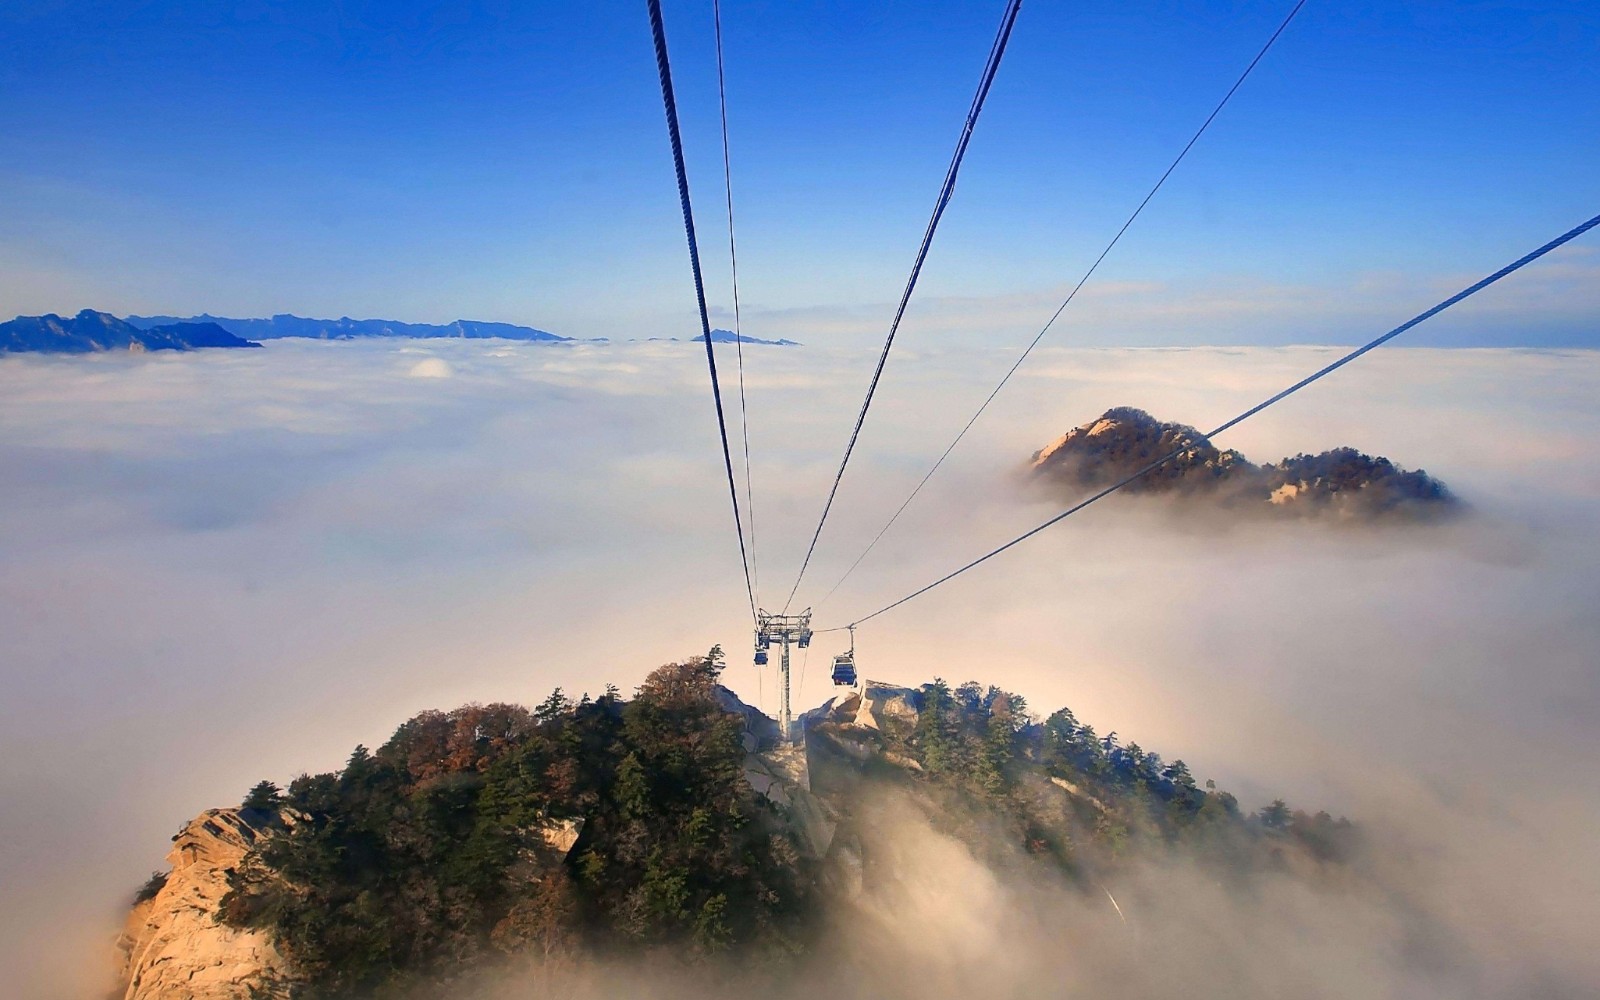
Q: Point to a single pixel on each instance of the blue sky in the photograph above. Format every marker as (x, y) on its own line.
(508, 161)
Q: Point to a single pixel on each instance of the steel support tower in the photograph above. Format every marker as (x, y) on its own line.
(784, 630)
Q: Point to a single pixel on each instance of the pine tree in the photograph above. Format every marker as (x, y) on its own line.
(264, 797)
(933, 731)
(1275, 816)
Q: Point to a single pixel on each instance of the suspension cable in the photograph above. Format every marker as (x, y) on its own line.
(1068, 301)
(738, 327)
(1470, 290)
(996, 51)
(670, 105)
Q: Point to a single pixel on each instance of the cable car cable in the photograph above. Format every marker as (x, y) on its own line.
(996, 51)
(670, 105)
(805, 659)
(738, 327)
(1068, 301)
(1470, 290)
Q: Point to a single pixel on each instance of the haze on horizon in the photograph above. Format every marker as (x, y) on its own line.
(503, 162)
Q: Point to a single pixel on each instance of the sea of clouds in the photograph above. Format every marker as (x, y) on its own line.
(224, 566)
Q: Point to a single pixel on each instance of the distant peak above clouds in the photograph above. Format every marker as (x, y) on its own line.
(1341, 484)
(90, 331)
(729, 337)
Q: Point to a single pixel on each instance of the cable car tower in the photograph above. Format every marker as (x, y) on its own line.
(784, 630)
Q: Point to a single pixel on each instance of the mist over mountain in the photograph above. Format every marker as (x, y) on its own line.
(1342, 483)
(349, 544)
(675, 831)
(90, 331)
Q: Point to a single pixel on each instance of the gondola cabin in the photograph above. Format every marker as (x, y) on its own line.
(761, 657)
(844, 670)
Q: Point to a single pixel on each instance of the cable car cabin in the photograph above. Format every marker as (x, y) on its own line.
(844, 670)
(761, 657)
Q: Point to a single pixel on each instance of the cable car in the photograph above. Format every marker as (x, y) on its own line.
(844, 669)
(761, 657)
(804, 639)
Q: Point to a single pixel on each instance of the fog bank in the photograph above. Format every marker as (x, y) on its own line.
(220, 567)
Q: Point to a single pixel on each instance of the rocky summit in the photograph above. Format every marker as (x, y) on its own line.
(1341, 484)
(673, 828)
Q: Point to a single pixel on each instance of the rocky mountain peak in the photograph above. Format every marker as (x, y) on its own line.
(1342, 483)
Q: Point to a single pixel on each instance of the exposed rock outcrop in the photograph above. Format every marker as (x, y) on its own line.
(174, 948)
(561, 835)
(760, 731)
(783, 776)
(1342, 484)
(873, 706)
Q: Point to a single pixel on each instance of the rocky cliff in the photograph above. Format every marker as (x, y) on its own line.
(174, 947)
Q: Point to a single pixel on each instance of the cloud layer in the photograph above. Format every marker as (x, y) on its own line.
(223, 566)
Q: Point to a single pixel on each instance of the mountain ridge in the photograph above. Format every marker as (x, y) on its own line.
(1341, 483)
(282, 325)
(674, 823)
(288, 325)
(91, 332)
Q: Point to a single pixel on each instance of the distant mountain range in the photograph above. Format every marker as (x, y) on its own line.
(98, 331)
(91, 331)
(345, 328)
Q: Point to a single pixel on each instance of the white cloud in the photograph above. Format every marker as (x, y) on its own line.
(431, 368)
(223, 566)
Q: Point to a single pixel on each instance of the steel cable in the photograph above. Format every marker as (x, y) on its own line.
(991, 67)
(670, 104)
(1470, 290)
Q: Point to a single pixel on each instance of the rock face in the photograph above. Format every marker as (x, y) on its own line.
(173, 947)
(1341, 484)
(781, 774)
(760, 731)
(560, 835)
(874, 706)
